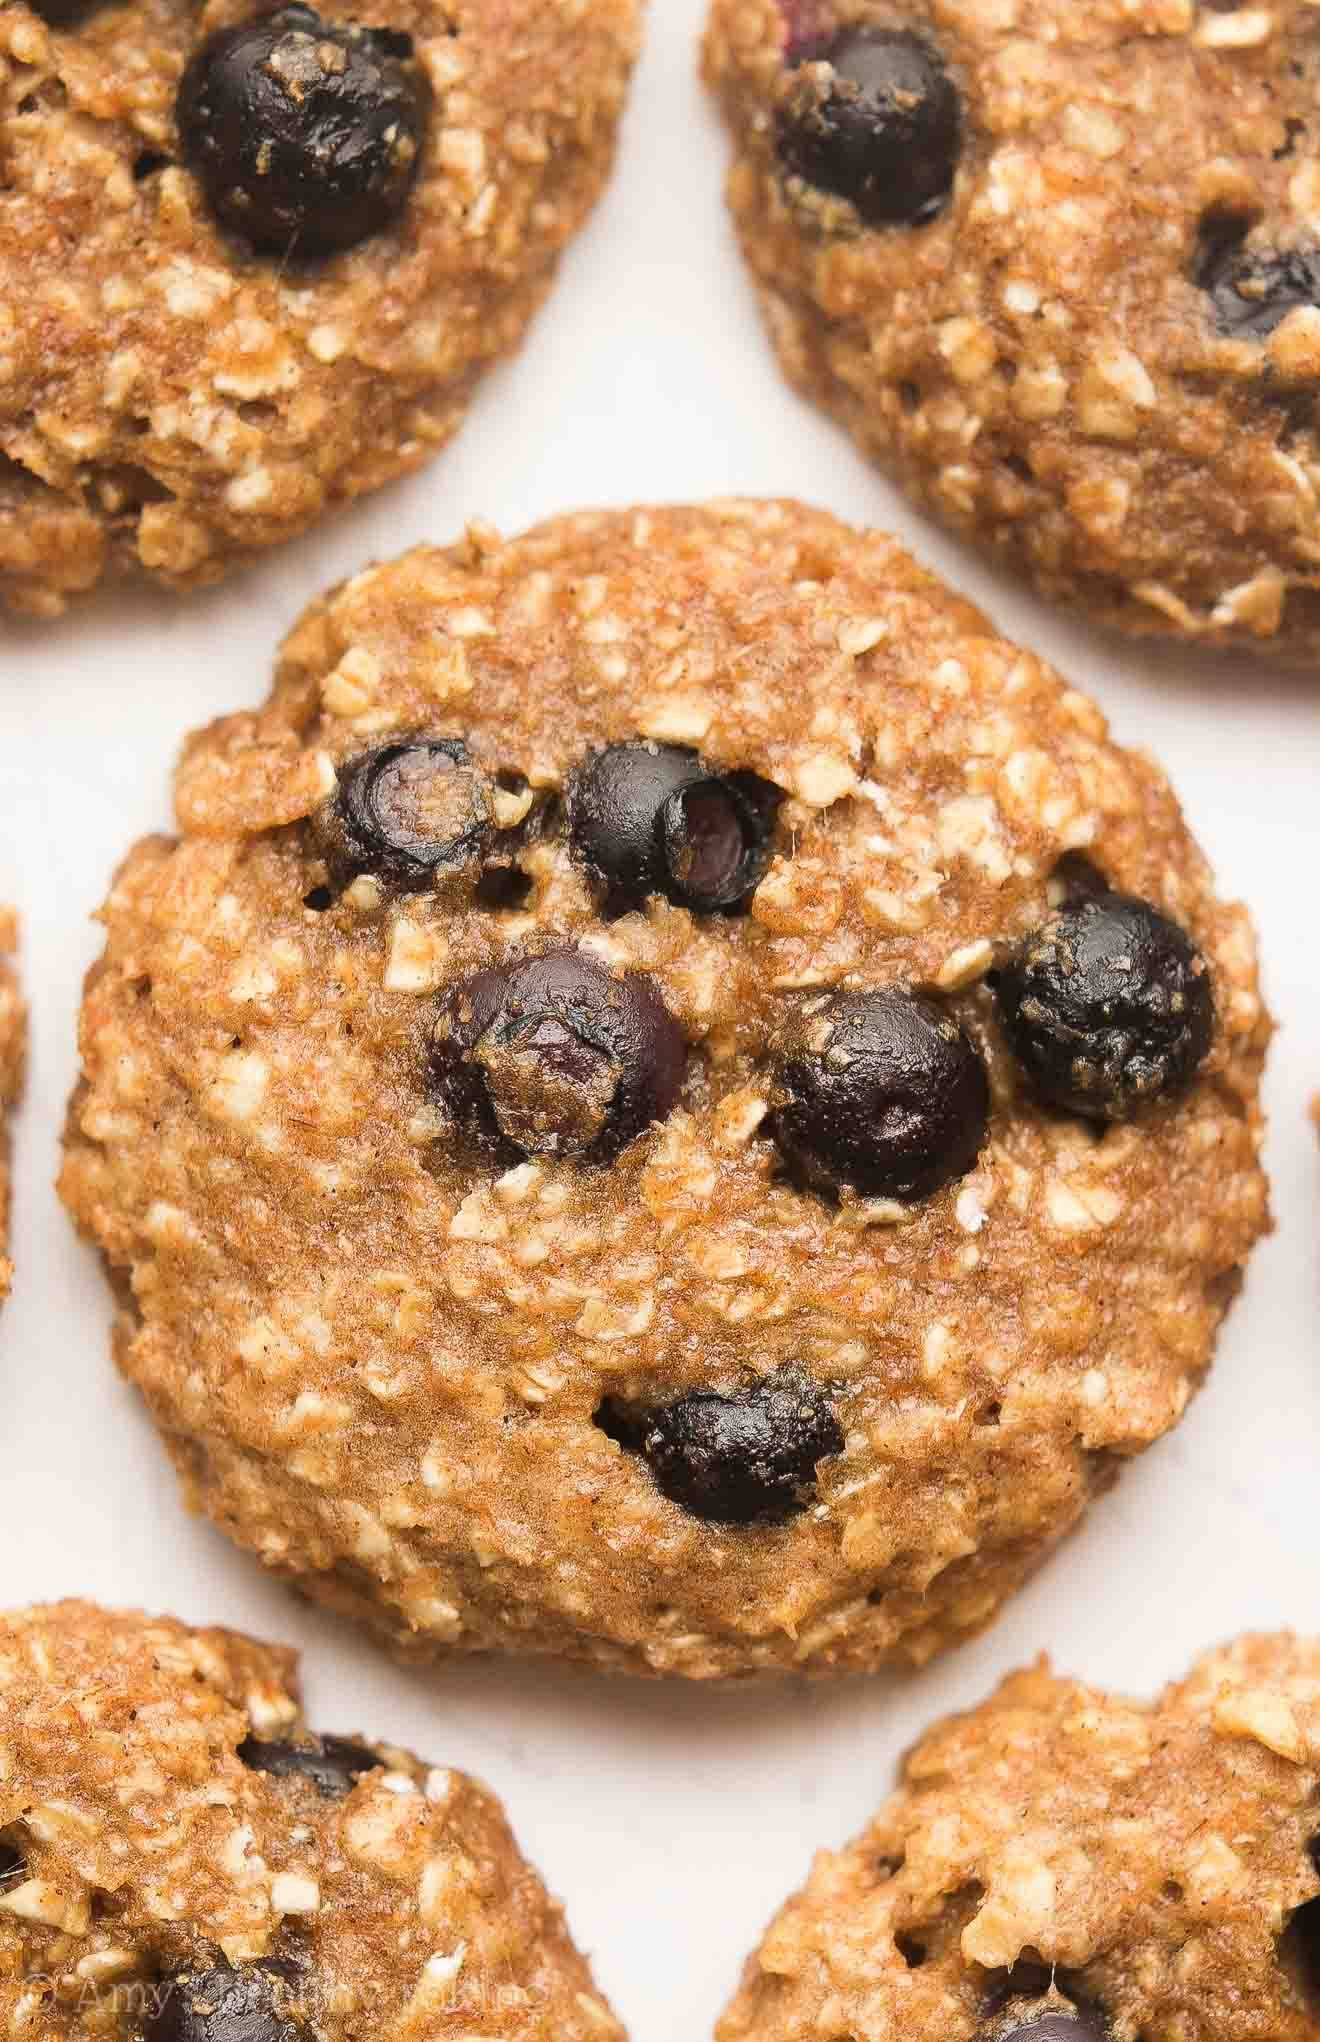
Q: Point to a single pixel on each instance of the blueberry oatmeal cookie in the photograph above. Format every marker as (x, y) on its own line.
(183, 1860)
(13, 1045)
(674, 1101)
(301, 233)
(1058, 269)
(1063, 1865)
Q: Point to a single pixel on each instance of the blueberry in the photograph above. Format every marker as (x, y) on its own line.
(881, 126)
(223, 2004)
(647, 819)
(1048, 2022)
(552, 1056)
(1108, 1007)
(880, 1092)
(13, 1866)
(408, 814)
(305, 134)
(745, 1459)
(1252, 291)
(60, 13)
(331, 1764)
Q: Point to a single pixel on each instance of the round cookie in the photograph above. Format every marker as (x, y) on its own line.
(300, 239)
(13, 1047)
(1063, 1865)
(1058, 269)
(182, 1860)
(570, 1112)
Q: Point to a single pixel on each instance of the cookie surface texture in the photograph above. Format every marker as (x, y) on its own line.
(675, 1100)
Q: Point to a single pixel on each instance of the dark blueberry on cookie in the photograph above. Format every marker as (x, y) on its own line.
(252, 2003)
(1047, 2023)
(408, 813)
(881, 1093)
(553, 1056)
(13, 1865)
(1252, 291)
(305, 134)
(60, 13)
(746, 1459)
(874, 117)
(330, 1764)
(647, 819)
(1108, 1007)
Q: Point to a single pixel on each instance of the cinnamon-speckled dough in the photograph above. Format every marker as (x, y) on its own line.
(376, 1355)
(1039, 364)
(143, 1842)
(13, 1045)
(173, 402)
(1153, 1865)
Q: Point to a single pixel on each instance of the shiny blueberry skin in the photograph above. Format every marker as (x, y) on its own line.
(250, 2003)
(652, 819)
(882, 127)
(330, 1764)
(553, 1056)
(1108, 1007)
(881, 1093)
(13, 1866)
(61, 13)
(305, 134)
(1252, 290)
(408, 814)
(749, 1458)
(1050, 2024)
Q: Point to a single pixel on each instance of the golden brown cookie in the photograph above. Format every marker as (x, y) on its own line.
(13, 1046)
(1057, 268)
(1063, 1865)
(253, 265)
(183, 1860)
(675, 1101)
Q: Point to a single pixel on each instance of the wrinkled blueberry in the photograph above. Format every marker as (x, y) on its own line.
(552, 1056)
(306, 134)
(1252, 291)
(881, 127)
(408, 813)
(332, 1764)
(1107, 1007)
(13, 1866)
(1049, 2023)
(647, 818)
(881, 1092)
(253, 2003)
(746, 1459)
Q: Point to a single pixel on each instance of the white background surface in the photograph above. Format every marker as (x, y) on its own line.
(672, 1821)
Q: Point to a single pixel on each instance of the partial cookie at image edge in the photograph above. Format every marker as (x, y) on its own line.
(1056, 271)
(288, 286)
(1063, 1865)
(183, 1860)
(13, 1056)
